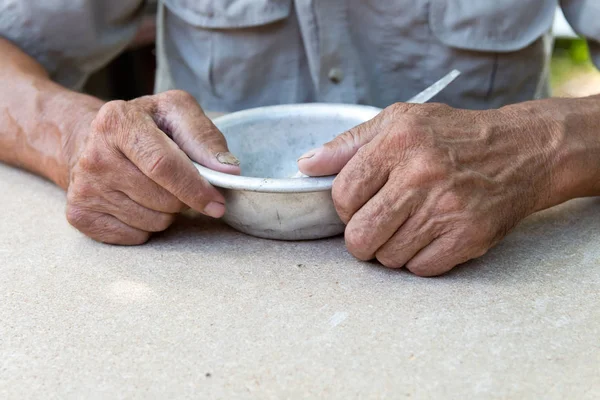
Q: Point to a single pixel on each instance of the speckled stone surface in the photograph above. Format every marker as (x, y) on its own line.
(202, 311)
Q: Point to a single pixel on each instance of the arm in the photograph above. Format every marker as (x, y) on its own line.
(125, 165)
(38, 117)
(433, 186)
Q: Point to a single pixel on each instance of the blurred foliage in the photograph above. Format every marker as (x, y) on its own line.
(577, 49)
(571, 57)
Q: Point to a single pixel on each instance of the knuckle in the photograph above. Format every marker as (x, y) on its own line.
(425, 109)
(441, 108)
(426, 269)
(430, 155)
(388, 260)
(405, 132)
(180, 96)
(397, 109)
(433, 109)
(98, 227)
(435, 264)
(358, 242)
(109, 116)
(93, 159)
(77, 216)
(419, 178)
(426, 172)
(103, 228)
(451, 202)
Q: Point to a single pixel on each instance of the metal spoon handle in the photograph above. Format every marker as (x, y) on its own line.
(434, 89)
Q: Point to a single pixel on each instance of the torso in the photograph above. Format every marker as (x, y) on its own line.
(245, 53)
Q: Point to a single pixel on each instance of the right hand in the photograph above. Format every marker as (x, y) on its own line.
(131, 171)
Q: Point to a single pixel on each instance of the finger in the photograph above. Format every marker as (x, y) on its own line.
(181, 117)
(443, 254)
(362, 178)
(144, 191)
(415, 234)
(105, 228)
(161, 160)
(135, 215)
(377, 221)
(333, 156)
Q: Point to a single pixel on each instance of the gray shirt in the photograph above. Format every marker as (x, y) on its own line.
(235, 54)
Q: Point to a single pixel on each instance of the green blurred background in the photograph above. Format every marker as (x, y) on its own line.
(572, 72)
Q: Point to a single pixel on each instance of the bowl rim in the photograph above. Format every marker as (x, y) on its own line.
(281, 185)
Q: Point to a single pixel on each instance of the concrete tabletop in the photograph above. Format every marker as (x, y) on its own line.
(202, 311)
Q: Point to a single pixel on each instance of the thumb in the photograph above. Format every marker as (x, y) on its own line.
(333, 156)
(180, 116)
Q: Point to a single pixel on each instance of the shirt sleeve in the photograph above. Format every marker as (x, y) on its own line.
(70, 38)
(584, 17)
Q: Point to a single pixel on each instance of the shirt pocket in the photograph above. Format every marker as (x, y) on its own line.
(233, 54)
(229, 14)
(498, 46)
(495, 25)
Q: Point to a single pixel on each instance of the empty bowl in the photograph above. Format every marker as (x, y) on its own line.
(267, 200)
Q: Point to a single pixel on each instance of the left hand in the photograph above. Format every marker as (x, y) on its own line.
(430, 187)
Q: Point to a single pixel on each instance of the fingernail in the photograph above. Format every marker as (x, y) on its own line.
(309, 154)
(214, 209)
(227, 158)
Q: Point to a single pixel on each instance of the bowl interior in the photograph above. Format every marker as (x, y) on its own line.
(269, 140)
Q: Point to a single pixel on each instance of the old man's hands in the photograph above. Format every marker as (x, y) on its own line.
(131, 171)
(429, 186)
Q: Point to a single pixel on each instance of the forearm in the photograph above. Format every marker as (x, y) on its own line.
(38, 117)
(572, 143)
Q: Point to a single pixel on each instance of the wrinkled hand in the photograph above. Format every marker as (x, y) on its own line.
(429, 187)
(132, 171)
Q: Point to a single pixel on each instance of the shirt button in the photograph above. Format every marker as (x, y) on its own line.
(336, 75)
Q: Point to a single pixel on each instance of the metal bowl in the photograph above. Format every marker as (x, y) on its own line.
(266, 200)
